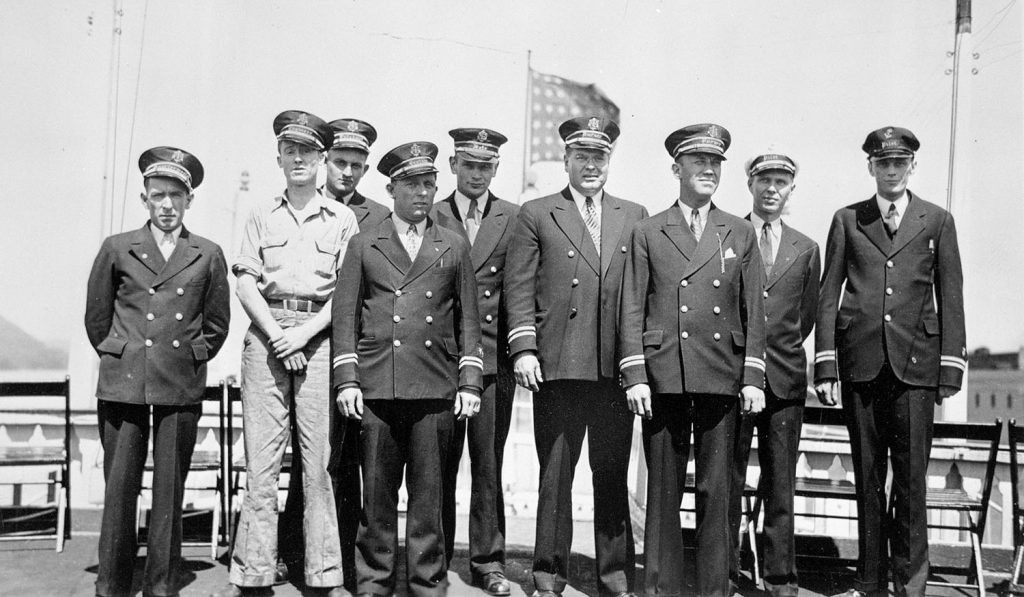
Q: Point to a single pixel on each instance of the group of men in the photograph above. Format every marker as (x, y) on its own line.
(382, 338)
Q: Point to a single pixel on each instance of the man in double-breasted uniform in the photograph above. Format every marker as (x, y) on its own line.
(792, 268)
(896, 341)
(406, 346)
(344, 167)
(562, 285)
(157, 310)
(487, 223)
(692, 355)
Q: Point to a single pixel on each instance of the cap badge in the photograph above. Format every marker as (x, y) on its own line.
(888, 133)
(303, 119)
(415, 150)
(178, 157)
(713, 131)
(352, 126)
(482, 136)
(594, 124)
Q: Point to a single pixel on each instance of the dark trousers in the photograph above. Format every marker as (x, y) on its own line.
(124, 432)
(563, 412)
(410, 437)
(486, 530)
(890, 421)
(345, 477)
(778, 440)
(713, 419)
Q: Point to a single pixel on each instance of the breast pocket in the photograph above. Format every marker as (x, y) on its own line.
(326, 258)
(273, 248)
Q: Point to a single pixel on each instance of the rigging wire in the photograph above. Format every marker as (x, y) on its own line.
(135, 111)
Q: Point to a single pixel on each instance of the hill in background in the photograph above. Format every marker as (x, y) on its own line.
(21, 350)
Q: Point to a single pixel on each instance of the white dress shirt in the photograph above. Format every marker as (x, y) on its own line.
(165, 241)
(901, 207)
(775, 230)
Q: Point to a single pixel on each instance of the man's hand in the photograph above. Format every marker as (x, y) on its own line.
(290, 341)
(639, 399)
(945, 392)
(350, 403)
(827, 392)
(527, 371)
(752, 399)
(295, 362)
(467, 405)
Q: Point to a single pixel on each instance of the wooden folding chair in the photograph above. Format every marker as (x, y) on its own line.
(52, 456)
(1016, 436)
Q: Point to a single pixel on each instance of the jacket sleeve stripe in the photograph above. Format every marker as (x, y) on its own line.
(632, 361)
(824, 355)
(348, 357)
(957, 362)
(526, 330)
(754, 362)
(471, 362)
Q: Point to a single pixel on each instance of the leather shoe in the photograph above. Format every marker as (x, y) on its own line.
(495, 583)
(281, 573)
(336, 592)
(540, 593)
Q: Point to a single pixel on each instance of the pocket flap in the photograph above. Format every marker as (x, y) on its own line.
(112, 345)
(739, 338)
(451, 346)
(843, 321)
(327, 247)
(273, 241)
(931, 326)
(199, 352)
(653, 338)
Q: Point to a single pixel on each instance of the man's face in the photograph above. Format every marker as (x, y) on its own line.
(891, 175)
(413, 196)
(698, 175)
(345, 168)
(166, 199)
(771, 190)
(587, 169)
(472, 178)
(300, 162)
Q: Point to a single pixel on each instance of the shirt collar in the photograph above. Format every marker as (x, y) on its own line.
(462, 203)
(775, 226)
(580, 198)
(703, 211)
(158, 235)
(403, 226)
(318, 201)
(901, 204)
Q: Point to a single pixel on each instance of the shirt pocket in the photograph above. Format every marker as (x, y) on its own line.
(326, 258)
(273, 250)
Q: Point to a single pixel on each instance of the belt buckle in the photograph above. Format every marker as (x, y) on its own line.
(295, 305)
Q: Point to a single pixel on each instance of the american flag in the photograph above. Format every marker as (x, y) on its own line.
(554, 100)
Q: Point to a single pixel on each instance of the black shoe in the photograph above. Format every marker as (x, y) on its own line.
(281, 573)
(494, 583)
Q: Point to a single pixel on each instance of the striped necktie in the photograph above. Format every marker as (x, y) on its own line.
(593, 223)
(890, 220)
(472, 221)
(766, 248)
(696, 226)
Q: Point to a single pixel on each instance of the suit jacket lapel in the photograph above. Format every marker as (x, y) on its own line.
(612, 221)
(492, 226)
(185, 253)
(912, 223)
(144, 248)
(391, 246)
(676, 230)
(711, 242)
(432, 249)
(568, 218)
(869, 221)
(785, 257)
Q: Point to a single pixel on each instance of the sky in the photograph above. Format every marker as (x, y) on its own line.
(807, 78)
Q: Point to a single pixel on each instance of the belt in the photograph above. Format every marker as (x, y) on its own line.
(298, 305)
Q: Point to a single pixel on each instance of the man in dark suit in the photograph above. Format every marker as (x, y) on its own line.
(157, 310)
(562, 285)
(406, 345)
(692, 345)
(897, 342)
(344, 167)
(792, 268)
(486, 222)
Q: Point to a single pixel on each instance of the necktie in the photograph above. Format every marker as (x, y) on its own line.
(593, 223)
(472, 221)
(167, 245)
(412, 242)
(766, 248)
(890, 220)
(696, 227)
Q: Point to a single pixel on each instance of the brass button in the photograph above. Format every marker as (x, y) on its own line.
(428, 343)
(717, 310)
(175, 344)
(572, 253)
(572, 311)
(145, 255)
(717, 336)
(149, 342)
(178, 316)
(765, 294)
(397, 343)
(888, 263)
(684, 309)
(150, 317)
(716, 283)
(487, 293)
(398, 292)
(684, 335)
(575, 282)
(180, 291)
(888, 291)
(489, 319)
(152, 291)
(623, 249)
(888, 317)
(430, 319)
(684, 283)
(430, 294)
(396, 319)
(494, 270)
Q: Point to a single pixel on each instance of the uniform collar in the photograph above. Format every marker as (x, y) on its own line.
(462, 203)
(775, 226)
(403, 227)
(158, 235)
(686, 209)
(901, 204)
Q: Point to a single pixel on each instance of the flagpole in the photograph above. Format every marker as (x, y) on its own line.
(526, 121)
